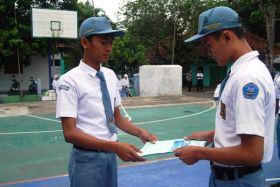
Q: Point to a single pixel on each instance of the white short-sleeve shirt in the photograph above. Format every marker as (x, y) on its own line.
(199, 76)
(247, 105)
(79, 96)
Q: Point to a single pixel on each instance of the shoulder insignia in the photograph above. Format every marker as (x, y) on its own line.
(250, 91)
(63, 87)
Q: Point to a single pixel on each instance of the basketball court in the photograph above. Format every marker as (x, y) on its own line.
(34, 153)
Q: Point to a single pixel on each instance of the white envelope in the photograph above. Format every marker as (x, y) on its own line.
(166, 146)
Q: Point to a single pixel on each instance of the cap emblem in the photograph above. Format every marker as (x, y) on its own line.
(213, 26)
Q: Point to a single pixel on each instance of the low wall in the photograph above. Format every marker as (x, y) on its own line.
(160, 80)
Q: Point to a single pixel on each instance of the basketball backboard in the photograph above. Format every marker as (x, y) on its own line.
(51, 23)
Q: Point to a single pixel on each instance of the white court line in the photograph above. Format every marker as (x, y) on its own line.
(154, 121)
(273, 179)
(43, 118)
(38, 132)
(168, 119)
(173, 104)
(28, 132)
(33, 132)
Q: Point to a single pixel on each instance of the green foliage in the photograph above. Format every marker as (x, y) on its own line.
(152, 23)
(251, 17)
(15, 31)
(149, 26)
(127, 55)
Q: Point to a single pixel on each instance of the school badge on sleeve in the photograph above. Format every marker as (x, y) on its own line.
(223, 110)
(250, 91)
(63, 87)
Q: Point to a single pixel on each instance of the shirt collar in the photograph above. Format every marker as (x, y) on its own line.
(240, 61)
(86, 68)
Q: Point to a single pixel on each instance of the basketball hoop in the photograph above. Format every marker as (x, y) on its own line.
(49, 23)
(55, 33)
(55, 28)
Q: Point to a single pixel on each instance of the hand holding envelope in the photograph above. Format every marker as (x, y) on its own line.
(168, 146)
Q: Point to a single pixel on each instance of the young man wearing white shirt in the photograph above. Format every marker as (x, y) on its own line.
(55, 80)
(88, 103)
(199, 80)
(244, 126)
(277, 91)
(125, 85)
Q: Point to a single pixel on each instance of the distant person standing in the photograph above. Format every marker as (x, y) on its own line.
(199, 79)
(55, 81)
(189, 80)
(120, 85)
(125, 85)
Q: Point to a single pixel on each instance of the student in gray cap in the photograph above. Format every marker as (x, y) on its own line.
(88, 103)
(245, 117)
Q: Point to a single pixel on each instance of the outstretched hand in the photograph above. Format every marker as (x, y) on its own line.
(127, 152)
(187, 154)
(202, 135)
(145, 136)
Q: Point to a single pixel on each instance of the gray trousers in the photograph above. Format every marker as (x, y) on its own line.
(92, 169)
(256, 179)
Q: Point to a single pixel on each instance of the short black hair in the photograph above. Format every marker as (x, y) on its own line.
(89, 39)
(238, 31)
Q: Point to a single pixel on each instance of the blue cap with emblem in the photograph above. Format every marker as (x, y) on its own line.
(98, 26)
(215, 19)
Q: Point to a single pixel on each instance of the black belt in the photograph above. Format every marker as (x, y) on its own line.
(228, 173)
(92, 150)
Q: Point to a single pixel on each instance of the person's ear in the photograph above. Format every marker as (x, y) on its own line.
(227, 36)
(84, 42)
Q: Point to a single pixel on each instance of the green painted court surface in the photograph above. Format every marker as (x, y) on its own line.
(34, 147)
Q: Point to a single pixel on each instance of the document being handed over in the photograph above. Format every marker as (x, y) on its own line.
(168, 146)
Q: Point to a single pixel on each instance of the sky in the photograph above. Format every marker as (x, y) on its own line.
(110, 7)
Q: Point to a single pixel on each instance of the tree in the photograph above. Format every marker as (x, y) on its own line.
(152, 22)
(259, 17)
(251, 17)
(268, 8)
(16, 30)
(127, 55)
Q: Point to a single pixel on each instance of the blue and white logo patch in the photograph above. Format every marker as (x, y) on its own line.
(250, 91)
(63, 87)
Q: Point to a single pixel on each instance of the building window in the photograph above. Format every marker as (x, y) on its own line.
(57, 62)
